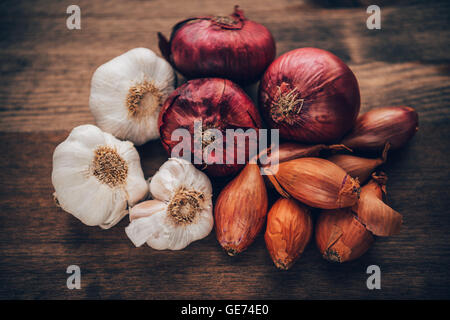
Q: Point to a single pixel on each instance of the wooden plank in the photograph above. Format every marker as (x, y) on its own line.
(38, 241)
(44, 90)
(47, 69)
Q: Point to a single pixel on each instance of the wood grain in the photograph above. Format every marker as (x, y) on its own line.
(44, 91)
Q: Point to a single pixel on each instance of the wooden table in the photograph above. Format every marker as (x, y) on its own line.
(44, 90)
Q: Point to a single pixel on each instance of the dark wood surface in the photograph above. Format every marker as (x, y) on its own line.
(44, 90)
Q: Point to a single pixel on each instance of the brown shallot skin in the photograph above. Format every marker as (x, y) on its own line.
(375, 128)
(292, 150)
(371, 209)
(310, 95)
(316, 182)
(340, 236)
(230, 47)
(240, 210)
(289, 230)
(359, 167)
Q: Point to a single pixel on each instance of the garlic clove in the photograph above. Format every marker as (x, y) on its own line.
(146, 209)
(91, 202)
(118, 211)
(181, 237)
(139, 231)
(181, 211)
(152, 225)
(96, 176)
(127, 93)
(135, 182)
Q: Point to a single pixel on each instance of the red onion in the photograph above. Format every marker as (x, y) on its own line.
(230, 47)
(220, 104)
(310, 95)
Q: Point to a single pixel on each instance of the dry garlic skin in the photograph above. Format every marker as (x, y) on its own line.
(127, 94)
(175, 174)
(96, 176)
(181, 211)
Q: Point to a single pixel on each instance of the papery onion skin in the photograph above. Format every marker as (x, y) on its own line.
(289, 229)
(340, 236)
(310, 95)
(220, 104)
(371, 209)
(316, 182)
(359, 167)
(240, 210)
(373, 129)
(291, 150)
(226, 47)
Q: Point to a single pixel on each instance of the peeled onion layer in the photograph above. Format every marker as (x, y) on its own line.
(371, 210)
(340, 236)
(375, 128)
(230, 47)
(310, 95)
(221, 105)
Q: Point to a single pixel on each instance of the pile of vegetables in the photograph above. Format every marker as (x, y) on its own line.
(324, 167)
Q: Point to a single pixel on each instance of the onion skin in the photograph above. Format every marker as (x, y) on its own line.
(359, 167)
(356, 167)
(241, 210)
(289, 229)
(212, 47)
(220, 104)
(323, 93)
(373, 129)
(340, 237)
(291, 150)
(371, 210)
(316, 182)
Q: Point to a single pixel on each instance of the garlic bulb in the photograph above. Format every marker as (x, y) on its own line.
(127, 93)
(181, 211)
(96, 176)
